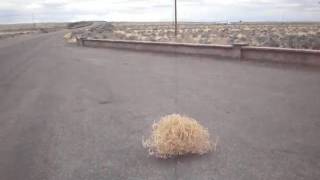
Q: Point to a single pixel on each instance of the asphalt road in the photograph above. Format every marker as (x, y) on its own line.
(77, 113)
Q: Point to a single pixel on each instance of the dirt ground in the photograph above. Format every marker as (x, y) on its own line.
(285, 35)
(13, 30)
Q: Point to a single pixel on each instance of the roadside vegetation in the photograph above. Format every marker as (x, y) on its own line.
(284, 35)
(13, 30)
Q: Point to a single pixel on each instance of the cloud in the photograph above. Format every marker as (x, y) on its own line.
(13, 11)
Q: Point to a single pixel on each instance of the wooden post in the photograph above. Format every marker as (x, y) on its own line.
(175, 18)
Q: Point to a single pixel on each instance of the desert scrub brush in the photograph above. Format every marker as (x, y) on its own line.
(176, 135)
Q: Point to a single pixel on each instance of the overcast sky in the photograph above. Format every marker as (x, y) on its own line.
(19, 11)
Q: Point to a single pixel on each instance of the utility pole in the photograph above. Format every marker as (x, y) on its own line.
(33, 23)
(175, 18)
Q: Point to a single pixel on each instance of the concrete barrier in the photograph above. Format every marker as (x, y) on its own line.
(284, 55)
(236, 51)
(227, 51)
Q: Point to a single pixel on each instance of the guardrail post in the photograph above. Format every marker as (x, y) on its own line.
(237, 47)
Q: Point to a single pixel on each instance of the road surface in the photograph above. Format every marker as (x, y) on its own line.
(73, 113)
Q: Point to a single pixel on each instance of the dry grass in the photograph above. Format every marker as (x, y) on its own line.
(70, 38)
(177, 135)
(285, 35)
